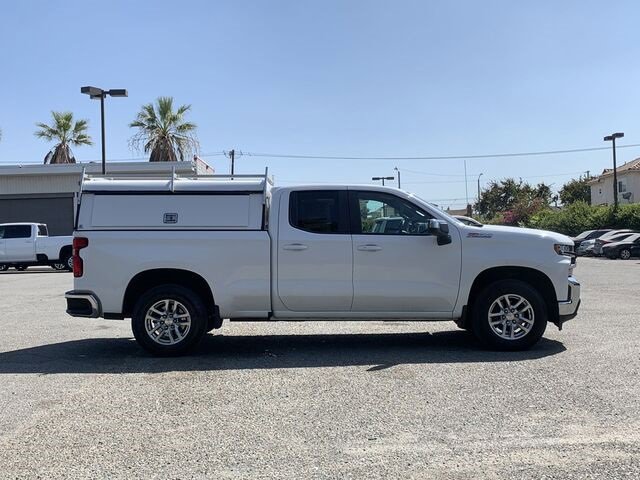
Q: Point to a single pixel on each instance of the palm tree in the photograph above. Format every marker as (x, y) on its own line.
(164, 132)
(65, 131)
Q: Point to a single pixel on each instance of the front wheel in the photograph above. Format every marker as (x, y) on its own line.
(625, 254)
(20, 268)
(59, 266)
(509, 315)
(169, 320)
(3, 267)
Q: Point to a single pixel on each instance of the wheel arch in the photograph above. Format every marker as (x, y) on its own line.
(66, 250)
(148, 279)
(537, 279)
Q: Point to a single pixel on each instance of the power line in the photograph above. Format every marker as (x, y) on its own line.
(442, 157)
(418, 157)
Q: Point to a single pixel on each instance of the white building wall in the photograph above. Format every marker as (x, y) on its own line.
(602, 190)
(28, 184)
(42, 179)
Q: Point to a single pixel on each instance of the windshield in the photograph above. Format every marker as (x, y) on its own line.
(584, 234)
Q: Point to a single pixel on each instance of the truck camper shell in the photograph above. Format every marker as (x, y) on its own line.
(219, 202)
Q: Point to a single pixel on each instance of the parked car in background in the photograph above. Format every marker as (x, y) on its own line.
(589, 235)
(612, 237)
(586, 248)
(627, 248)
(468, 220)
(25, 244)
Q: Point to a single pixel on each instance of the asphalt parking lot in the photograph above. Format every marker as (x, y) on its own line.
(79, 399)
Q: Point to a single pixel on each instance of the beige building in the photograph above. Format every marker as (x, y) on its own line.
(48, 193)
(628, 185)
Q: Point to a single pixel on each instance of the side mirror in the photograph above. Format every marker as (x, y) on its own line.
(440, 230)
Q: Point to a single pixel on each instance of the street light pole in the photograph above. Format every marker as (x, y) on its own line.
(95, 92)
(397, 170)
(479, 186)
(104, 155)
(382, 178)
(612, 138)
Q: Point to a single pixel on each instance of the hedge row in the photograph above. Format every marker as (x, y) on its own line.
(579, 216)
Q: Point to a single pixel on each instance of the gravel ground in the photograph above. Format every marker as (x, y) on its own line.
(79, 399)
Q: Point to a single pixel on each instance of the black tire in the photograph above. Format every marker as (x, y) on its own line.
(4, 267)
(625, 254)
(483, 307)
(189, 301)
(67, 260)
(58, 266)
(20, 268)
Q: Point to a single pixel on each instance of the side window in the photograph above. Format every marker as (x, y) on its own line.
(42, 231)
(386, 214)
(17, 231)
(319, 211)
(1, 232)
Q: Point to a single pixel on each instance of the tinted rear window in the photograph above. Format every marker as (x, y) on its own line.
(318, 211)
(17, 231)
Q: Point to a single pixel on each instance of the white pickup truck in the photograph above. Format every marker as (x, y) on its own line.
(26, 244)
(179, 255)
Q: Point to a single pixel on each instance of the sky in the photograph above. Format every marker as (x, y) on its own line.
(345, 78)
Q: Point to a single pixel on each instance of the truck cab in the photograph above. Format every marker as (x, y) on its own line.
(161, 252)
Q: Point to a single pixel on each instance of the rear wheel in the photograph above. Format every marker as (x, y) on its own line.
(67, 260)
(169, 320)
(625, 254)
(509, 315)
(20, 268)
(3, 267)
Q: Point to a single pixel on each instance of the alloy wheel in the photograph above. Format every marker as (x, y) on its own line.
(167, 322)
(511, 316)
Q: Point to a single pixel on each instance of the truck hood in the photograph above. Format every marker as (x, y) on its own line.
(516, 232)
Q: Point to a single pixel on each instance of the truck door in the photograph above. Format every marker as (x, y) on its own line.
(19, 243)
(400, 268)
(314, 251)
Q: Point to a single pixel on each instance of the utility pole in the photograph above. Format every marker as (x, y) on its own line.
(466, 189)
(396, 169)
(232, 155)
(466, 184)
(612, 138)
(479, 186)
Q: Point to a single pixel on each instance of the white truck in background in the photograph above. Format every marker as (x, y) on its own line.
(24, 245)
(179, 255)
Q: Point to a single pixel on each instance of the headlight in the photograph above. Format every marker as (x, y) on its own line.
(562, 249)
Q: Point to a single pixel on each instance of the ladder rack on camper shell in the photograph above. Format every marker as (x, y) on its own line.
(152, 185)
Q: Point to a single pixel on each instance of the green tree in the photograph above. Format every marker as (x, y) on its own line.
(67, 133)
(576, 190)
(163, 132)
(512, 202)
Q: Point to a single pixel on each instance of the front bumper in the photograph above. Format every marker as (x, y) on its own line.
(568, 309)
(83, 304)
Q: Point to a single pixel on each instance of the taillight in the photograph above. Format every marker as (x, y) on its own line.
(78, 244)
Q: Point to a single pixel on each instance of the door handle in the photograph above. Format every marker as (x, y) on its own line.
(369, 248)
(296, 247)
